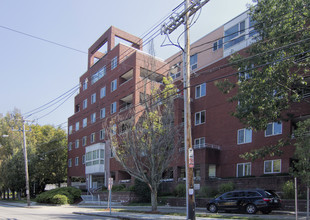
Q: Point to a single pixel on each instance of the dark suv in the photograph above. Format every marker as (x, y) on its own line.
(249, 201)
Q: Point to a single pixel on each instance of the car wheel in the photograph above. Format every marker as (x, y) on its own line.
(212, 208)
(251, 209)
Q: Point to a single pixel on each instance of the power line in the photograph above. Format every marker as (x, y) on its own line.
(43, 39)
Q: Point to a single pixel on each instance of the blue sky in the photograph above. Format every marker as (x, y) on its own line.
(34, 72)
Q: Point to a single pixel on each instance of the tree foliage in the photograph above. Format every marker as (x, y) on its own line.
(46, 149)
(301, 167)
(273, 73)
(144, 145)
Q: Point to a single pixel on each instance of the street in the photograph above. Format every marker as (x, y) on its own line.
(43, 212)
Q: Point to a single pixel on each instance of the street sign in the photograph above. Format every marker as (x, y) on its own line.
(110, 184)
(191, 158)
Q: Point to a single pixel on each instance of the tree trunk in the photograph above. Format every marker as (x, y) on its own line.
(13, 194)
(154, 199)
(8, 194)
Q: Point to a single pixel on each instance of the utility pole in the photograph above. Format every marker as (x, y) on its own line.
(26, 164)
(25, 160)
(190, 195)
(189, 10)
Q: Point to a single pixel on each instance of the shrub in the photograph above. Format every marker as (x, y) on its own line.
(117, 188)
(288, 190)
(226, 187)
(142, 190)
(71, 194)
(180, 190)
(207, 192)
(59, 199)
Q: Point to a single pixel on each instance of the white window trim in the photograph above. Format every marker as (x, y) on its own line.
(103, 92)
(84, 140)
(70, 162)
(101, 115)
(272, 171)
(112, 112)
(84, 122)
(77, 126)
(200, 117)
(92, 137)
(243, 165)
(76, 161)
(244, 135)
(84, 103)
(77, 143)
(93, 98)
(114, 85)
(114, 63)
(273, 134)
(93, 117)
(205, 92)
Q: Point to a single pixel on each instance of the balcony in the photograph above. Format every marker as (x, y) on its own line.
(126, 77)
(126, 103)
(205, 145)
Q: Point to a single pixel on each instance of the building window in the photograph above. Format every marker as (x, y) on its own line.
(70, 129)
(76, 161)
(85, 85)
(92, 137)
(200, 90)
(77, 143)
(113, 107)
(77, 126)
(84, 103)
(70, 162)
(199, 143)
(272, 166)
(243, 169)
(273, 128)
(212, 170)
(84, 122)
(70, 146)
(93, 98)
(113, 85)
(244, 136)
(83, 159)
(102, 134)
(102, 113)
(114, 63)
(218, 44)
(234, 35)
(175, 71)
(102, 92)
(193, 61)
(95, 157)
(200, 117)
(98, 75)
(93, 117)
(84, 141)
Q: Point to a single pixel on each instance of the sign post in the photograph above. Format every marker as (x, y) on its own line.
(110, 196)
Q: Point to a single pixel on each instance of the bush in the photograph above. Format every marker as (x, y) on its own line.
(207, 192)
(226, 187)
(71, 194)
(288, 190)
(117, 188)
(142, 190)
(59, 199)
(180, 190)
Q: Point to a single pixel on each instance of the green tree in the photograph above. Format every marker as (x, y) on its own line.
(49, 159)
(274, 72)
(145, 148)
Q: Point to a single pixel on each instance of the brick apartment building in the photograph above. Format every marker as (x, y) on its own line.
(110, 87)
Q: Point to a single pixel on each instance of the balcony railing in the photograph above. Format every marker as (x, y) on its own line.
(205, 145)
(125, 108)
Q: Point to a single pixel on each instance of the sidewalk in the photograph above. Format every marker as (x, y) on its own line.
(92, 210)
